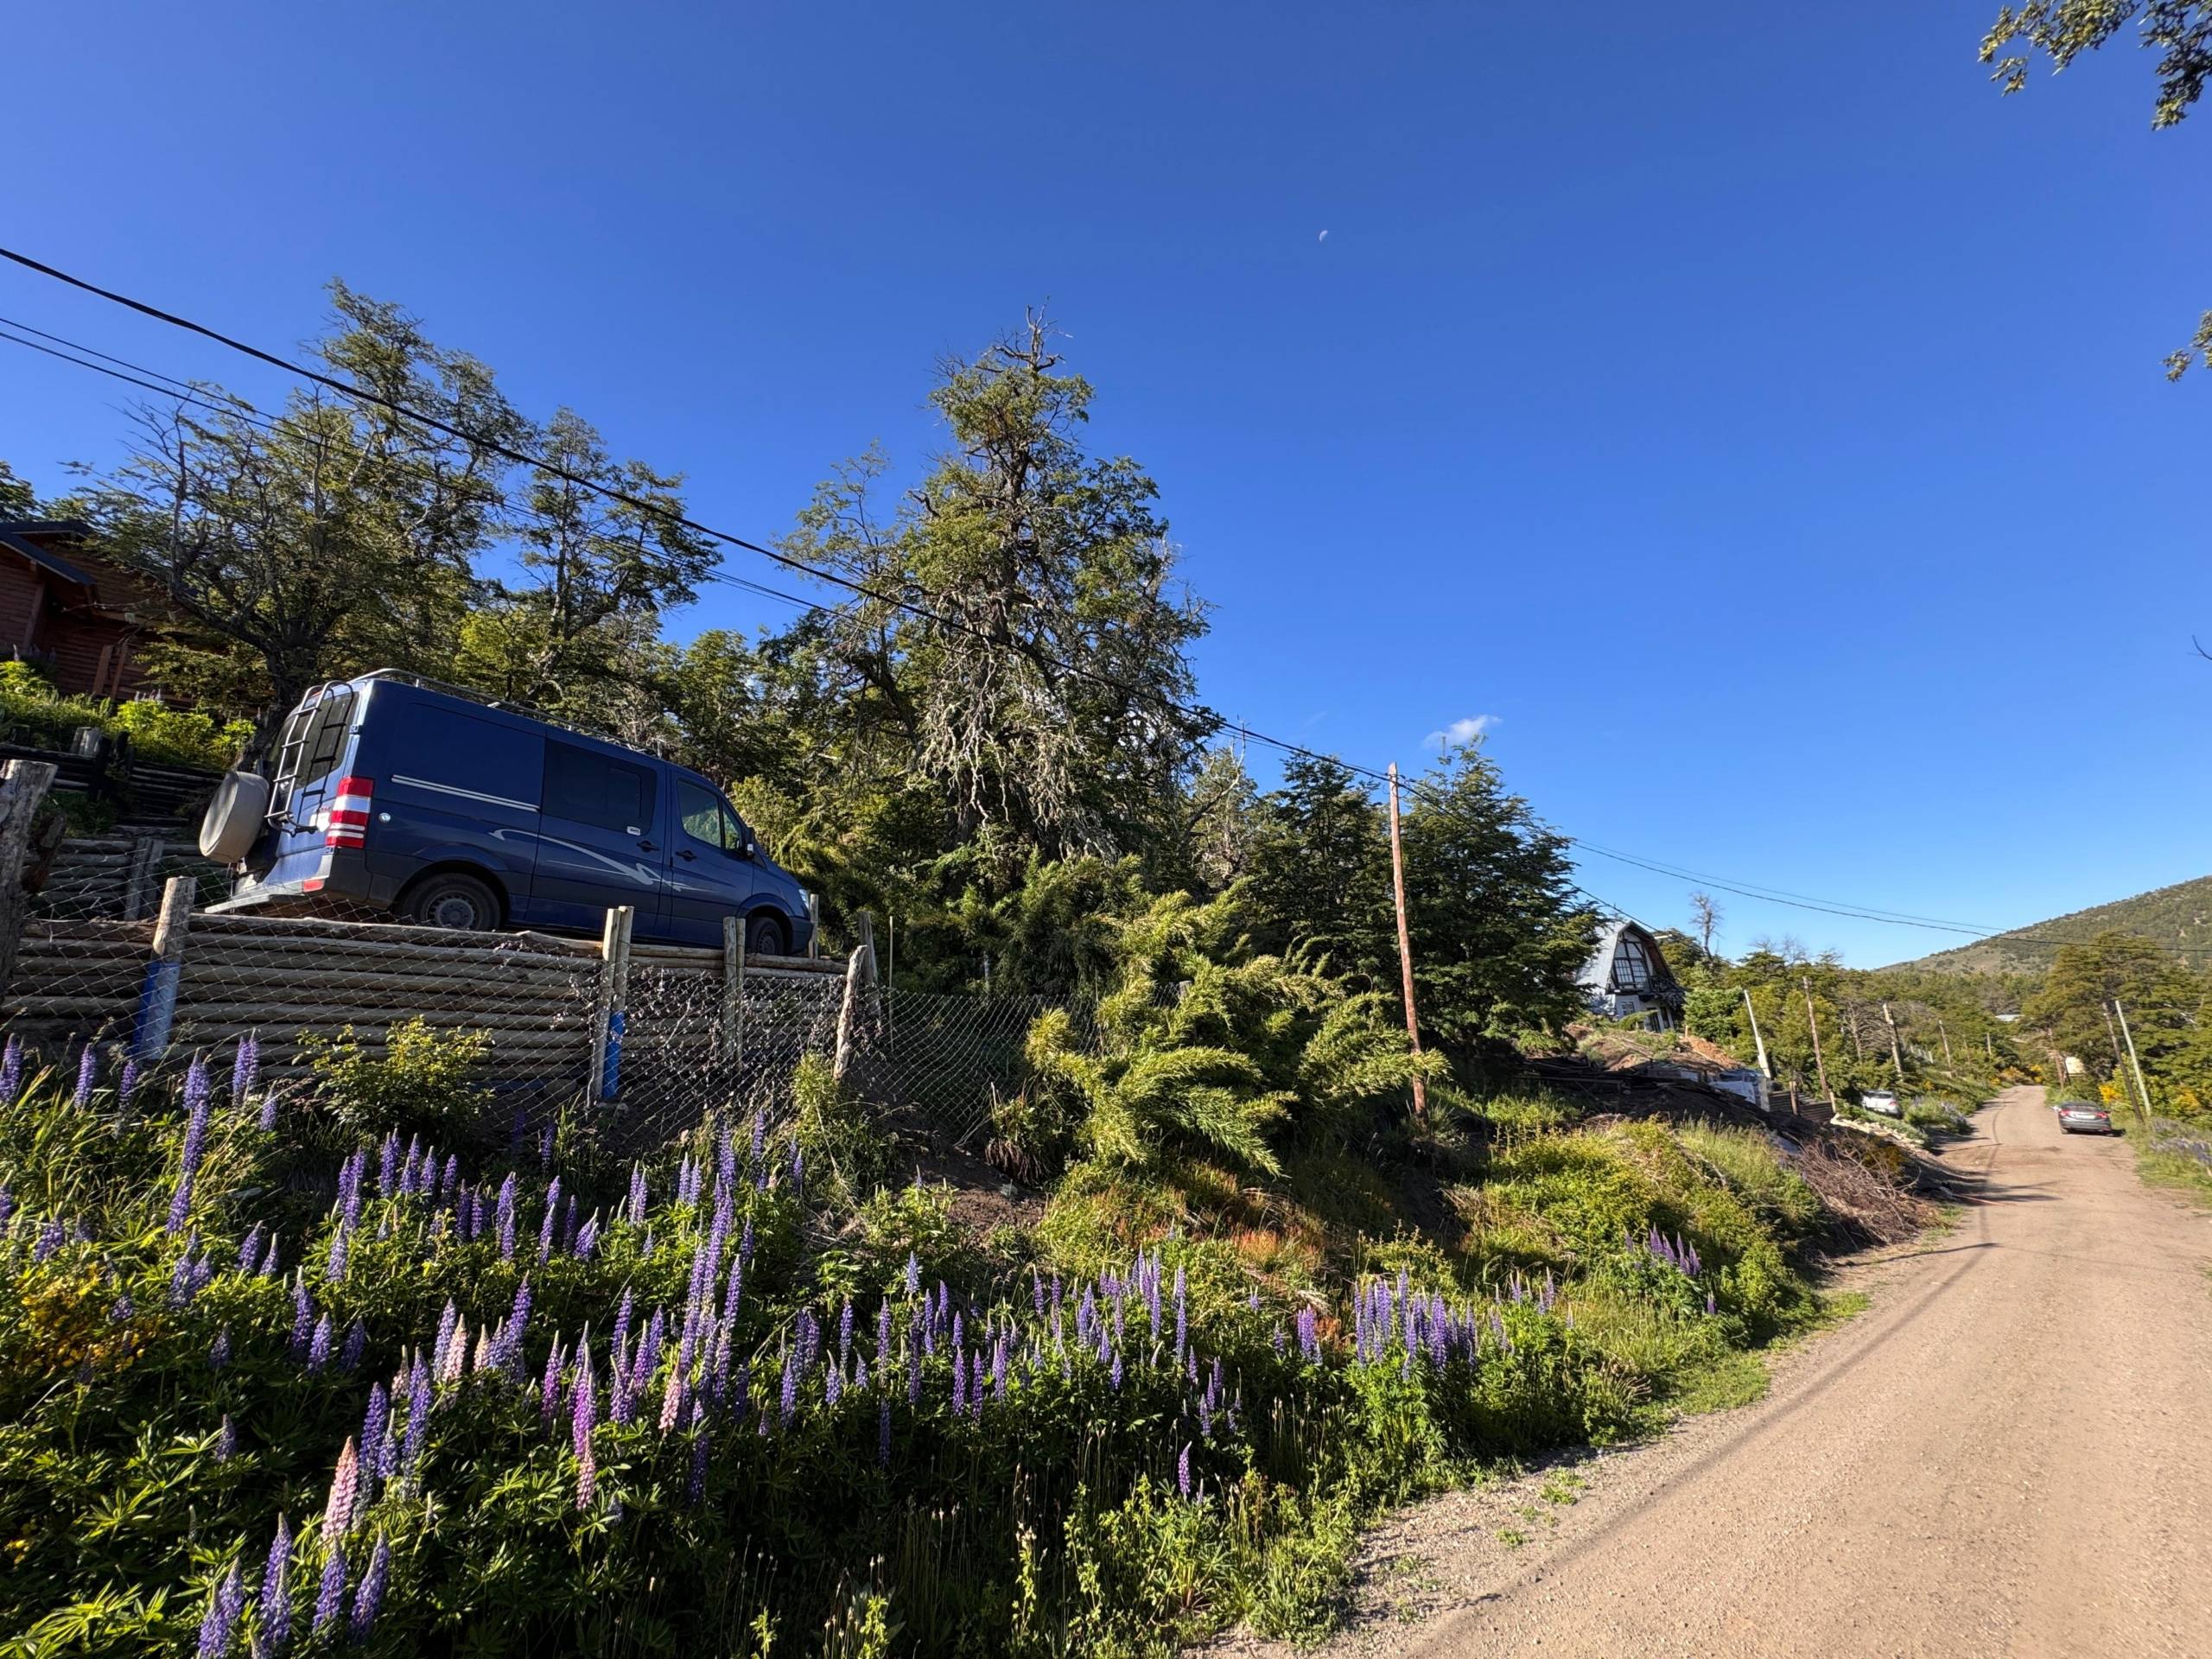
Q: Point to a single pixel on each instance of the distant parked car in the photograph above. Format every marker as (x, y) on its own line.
(1882, 1100)
(2079, 1116)
(400, 796)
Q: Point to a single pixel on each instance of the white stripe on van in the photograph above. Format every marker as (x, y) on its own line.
(465, 794)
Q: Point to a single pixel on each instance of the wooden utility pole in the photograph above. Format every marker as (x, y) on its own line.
(2142, 1090)
(1405, 942)
(2112, 1031)
(1896, 1055)
(1805, 981)
(1766, 1070)
(1944, 1032)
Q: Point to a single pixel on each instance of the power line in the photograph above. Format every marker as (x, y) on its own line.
(1205, 720)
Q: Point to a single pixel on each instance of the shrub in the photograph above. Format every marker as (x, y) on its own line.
(423, 1083)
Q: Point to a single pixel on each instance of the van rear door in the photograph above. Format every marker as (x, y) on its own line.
(600, 841)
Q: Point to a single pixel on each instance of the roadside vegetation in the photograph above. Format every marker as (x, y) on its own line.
(370, 1365)
(2175, 1154)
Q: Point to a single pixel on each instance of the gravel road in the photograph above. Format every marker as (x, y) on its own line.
(2010, 1452)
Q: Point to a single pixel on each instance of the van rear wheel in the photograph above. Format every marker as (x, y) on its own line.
(451, 899)
(764, 936)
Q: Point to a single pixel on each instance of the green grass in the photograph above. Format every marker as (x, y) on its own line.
(2174, 1155)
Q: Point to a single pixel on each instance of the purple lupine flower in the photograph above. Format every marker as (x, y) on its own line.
(1309, 1335)
(334, 1267)
(882, 1329)
(913, 1377)
(419, 1412)
(506, 1216)
(913, 1275)
(959, 1383)
(249, 1247)
(345, 1484)
(7, 1208)
(833, 1385)
(246, 1069)
(88, 1066)
(275, 1591)
(1182, 1319)
(319, 1346)
(227, 1440)
(355, 1346)
(552, 1220)
(441, 1352)
(637, 1194)
(268, 1119)
(371, 1597)
(331, 1598)
(546, 1148)
(11, 1070)
(196, 1101)
(451, 1180)
(588, 1238)
(568, 1225)
(225, 1603)
(1115, 1376)
(548, 1387)
(787, 1402)
(218, 1352)
(744, 1245)
(302, 1319)
(388, 1165)
(581, 1417)
(127, 1084)
(845, 1332)
(373, 1423)
(1183, 1471)
(1711, 1306)
(49, 1240)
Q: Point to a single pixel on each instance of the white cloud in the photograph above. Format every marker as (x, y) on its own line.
(1463, 731)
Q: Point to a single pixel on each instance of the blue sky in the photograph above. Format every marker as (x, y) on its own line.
(1748, 412)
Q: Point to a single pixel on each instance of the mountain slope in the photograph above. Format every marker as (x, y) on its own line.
(2179, 917)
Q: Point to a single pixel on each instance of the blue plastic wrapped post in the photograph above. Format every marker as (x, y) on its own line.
(613, 997)
(149, 1033)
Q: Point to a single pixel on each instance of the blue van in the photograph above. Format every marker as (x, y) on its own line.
(415, 800)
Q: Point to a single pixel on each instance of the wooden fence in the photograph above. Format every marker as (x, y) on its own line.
(561, 1014)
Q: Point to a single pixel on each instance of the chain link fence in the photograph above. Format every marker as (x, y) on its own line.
(651, 1039)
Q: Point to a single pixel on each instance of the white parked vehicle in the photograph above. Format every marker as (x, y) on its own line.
(1882, 1100)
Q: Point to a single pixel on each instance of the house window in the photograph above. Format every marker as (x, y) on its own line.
(1632, 965)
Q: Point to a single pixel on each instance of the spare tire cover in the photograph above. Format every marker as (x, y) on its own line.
(234, 817)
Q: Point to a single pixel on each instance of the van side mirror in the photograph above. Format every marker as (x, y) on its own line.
(747, 849)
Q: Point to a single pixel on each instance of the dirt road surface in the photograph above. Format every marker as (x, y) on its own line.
(2010, 1452)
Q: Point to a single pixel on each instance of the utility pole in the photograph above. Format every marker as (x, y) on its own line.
(2112, 1034)
(1766, 1070)
(1896, 1055)
(2142, 1092)
(1405, 942)
(1944, 1032)
(1814, 1020)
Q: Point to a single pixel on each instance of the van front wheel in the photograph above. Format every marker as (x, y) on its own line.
(451, 899)
(764, 936)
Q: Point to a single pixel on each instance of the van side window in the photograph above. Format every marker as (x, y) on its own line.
(701, 814)
(587, 788)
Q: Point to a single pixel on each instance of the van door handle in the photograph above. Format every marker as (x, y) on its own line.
(647, 847)
(686, 854)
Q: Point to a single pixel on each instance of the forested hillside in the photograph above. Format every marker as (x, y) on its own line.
(2177, 919)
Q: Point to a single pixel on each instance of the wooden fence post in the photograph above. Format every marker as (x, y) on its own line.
(149, 1034)
(614, 998)
(814, 926)
(733, 1027)
(860, 968)
(23, 785)
(145, 863)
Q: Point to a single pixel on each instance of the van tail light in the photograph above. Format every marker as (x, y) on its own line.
(346, 820)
